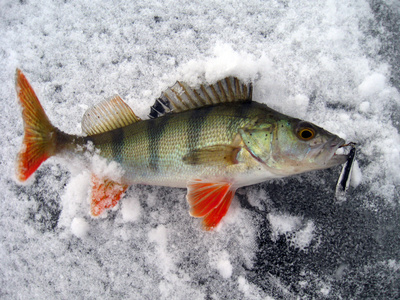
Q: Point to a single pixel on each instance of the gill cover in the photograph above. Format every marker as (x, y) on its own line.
(258, 141)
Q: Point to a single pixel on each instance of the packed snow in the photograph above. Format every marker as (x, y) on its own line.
(334, 63)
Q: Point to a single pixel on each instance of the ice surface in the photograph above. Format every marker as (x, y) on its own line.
(335, 63)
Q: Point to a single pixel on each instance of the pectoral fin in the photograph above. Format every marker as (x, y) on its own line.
(213, 155)
(209, 201)
(105, 194)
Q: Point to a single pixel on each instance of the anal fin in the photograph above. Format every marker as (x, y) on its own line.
(209, 201)
(105, 194)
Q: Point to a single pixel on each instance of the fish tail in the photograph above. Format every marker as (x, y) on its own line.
(40, 136)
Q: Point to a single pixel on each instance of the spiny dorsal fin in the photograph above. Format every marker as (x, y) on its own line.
(109, 114)
(181, 96)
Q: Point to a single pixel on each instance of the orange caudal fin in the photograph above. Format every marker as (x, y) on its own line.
(39, 141)
(105, 194)
(209, 201)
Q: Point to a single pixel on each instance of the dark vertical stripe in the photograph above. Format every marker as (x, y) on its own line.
(241, 111)
(155, 131)
(111, 143)
(117, 137)
(196, 120)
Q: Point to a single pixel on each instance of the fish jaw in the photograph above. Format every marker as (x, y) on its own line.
(337, 159)
(326, 156)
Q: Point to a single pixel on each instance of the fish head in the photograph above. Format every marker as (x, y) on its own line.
(287, 146)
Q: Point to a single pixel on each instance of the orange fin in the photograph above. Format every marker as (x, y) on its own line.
(39, 141)
(209, 201)
(105, 194)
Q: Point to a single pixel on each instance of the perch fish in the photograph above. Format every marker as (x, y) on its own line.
(212, 140)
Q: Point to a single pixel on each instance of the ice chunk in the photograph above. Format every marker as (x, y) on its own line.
(364, 106)
(224, 268)
(303, 237)
(220, 261)
(75, 198)
(283, 223)
(299, 234)
(372, 84)
(325, 290)
(79, 227)
(224, 61)
(159, 236)
(130, 209)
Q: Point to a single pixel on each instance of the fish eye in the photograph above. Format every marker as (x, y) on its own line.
(306, 134)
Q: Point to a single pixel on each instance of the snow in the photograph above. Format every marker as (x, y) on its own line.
(364, 106)
(298, 232)
(130, 209)
(371, 85)
(334, 63)
(79, 227)
(222, 264)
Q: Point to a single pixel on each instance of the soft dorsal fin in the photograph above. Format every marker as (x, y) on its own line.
(109, 114)
(181, 96)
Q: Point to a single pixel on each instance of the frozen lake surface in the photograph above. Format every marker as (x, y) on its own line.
(329, 62)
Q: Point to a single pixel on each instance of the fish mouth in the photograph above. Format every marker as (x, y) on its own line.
(331, 153)
(337, 155)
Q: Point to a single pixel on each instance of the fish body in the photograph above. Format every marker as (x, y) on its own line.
(162, 151)
(212, 140)
(166, 151)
